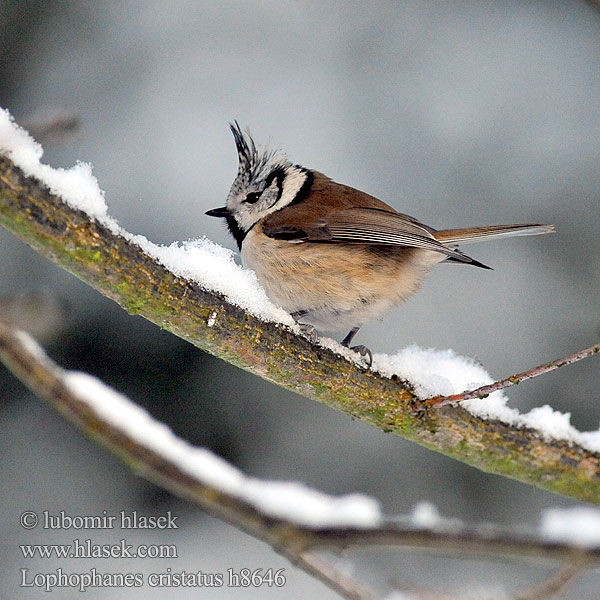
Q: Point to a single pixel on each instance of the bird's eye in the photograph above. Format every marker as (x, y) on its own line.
(252, 198)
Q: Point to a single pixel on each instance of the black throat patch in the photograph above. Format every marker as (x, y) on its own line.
(236, 231)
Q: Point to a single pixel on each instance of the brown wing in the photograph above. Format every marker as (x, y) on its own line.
(337, 213)
(362, 226)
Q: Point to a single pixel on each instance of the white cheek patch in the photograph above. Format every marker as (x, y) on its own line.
(246, 220)
(294, 179)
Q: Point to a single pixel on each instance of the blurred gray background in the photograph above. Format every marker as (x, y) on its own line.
(459, 113)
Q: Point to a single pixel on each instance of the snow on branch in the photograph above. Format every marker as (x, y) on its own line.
(198, 292)
(292, 518)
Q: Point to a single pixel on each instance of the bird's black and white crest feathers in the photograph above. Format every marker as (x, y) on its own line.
(255, 163)
(266, 182)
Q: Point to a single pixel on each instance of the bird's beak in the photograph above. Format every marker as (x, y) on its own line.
(222, 213)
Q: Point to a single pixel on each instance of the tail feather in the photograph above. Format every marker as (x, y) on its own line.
(479, 234)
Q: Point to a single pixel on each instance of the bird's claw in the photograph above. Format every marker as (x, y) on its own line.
(309, 332)
(365, 353)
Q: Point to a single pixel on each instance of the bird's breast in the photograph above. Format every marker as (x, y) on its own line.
(340, 285)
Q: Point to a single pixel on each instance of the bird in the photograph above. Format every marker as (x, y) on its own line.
(332, 256)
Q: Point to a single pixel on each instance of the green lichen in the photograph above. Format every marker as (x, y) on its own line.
(88, 256)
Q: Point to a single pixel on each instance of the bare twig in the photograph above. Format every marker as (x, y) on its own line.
(413, 592)
(53, 126)
(344, 585)
(594, 3)
(38, 312)
(486, 390)
(556, 584)
(553, 587)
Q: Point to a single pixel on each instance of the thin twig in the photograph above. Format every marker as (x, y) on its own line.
(450, 537)
(552, 587)
(486, 390)
(556, 583)
(414, 592)
(344, 585)
(53, 126)
(594, 3)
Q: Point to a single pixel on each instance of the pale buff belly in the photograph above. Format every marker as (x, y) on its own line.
(338, 286)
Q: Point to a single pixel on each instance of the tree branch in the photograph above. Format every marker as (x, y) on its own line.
(120, 270)
(53, 126)
(137, 447)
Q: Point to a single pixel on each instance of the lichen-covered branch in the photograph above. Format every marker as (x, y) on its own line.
(294, 540)
(120, 270)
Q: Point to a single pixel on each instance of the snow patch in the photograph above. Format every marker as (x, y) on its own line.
(579, 526)
(290, 501)
(425, 514)
(214, 268)
(444, 373)
(76, 186)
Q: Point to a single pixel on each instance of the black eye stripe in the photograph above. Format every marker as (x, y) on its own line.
(277, 177)
(277, 174)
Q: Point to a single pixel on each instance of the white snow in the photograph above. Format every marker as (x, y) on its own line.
(432, 372)
(76, 186)
(214, 268)
(578, 526)
(33, 348)
(291, 501)
(425, 514)
(436, 372)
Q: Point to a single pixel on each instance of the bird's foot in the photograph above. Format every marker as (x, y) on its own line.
(365, 353)
(309, 332)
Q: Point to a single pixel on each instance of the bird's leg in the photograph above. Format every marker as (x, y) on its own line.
(307, 330)
(346, 341)
(362, 350)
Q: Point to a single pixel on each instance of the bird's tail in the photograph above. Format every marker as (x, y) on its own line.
(479, 234)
